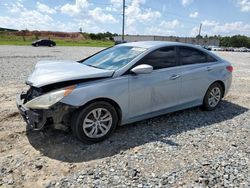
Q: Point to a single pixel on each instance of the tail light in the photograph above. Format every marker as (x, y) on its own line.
(230, 68)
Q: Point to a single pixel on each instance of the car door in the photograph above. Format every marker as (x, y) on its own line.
(196, 66)
(157, 90)
(46, 42)
(42, 43)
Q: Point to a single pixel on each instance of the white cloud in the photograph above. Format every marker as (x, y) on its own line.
(116, 6)
(244, 5)
(149, 15)
(194, 14)
(186, 2)
(44, 8)
(34, 18)
(194, 32)
(24, 18)
(15, 7)
(116, 3)
(216, 28)
(41, 19)
(236, 27)
(89, 26)
(210, 23)
(99, 15)
(165, 28)
(29, 19)
(159, 31)
(170, 25)
(135, 14)
(74, 9)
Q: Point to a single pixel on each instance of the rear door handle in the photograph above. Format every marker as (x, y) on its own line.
(173, 77)
(209, 68)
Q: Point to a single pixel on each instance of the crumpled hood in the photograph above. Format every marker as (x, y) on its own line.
(50, 72)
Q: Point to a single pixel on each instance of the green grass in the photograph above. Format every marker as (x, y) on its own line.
(19, 40)
(93, 43)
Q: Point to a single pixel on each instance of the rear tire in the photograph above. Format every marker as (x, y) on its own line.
(213, 97)
(95, 122)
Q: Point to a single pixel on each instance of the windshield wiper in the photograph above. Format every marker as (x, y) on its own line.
(94, 66)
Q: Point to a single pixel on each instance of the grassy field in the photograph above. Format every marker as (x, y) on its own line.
(20, 40)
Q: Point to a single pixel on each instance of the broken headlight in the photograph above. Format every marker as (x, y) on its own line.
(47, 100)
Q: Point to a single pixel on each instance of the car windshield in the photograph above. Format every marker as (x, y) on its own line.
(114, 58)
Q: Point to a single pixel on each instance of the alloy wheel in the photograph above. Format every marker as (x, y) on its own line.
(97, 123)
(214, 96)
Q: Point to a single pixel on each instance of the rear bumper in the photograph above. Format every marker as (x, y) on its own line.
(35, 119)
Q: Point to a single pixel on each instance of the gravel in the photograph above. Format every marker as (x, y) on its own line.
(190, 148)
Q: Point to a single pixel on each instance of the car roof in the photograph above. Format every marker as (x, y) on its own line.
(151, 45)
(155, 44)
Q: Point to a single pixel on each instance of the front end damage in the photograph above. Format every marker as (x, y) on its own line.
(49, 83)
(57, 116)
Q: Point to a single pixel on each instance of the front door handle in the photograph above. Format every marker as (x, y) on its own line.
(173, 77)
(209, 68)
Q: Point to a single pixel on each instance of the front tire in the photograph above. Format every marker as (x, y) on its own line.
(213, 97)
(95, 122)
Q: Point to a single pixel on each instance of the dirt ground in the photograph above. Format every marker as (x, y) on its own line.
(191, 144)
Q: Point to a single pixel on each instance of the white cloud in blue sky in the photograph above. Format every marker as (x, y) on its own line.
(158, 17)
(186, 2)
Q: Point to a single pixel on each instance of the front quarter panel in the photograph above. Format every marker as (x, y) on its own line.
(115, 89)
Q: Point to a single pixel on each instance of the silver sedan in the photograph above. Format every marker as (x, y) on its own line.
(123, 84)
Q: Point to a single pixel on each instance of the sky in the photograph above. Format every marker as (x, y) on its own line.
(142, 17)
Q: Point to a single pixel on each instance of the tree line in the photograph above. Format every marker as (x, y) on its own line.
(102, 36)
(227, 41)
(235, 41)
(231, 41)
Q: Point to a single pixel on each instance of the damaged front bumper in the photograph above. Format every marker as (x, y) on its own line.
(58, 116)
(35, 119)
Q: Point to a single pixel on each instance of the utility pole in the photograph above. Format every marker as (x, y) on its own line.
(200, 29)
(199, 34)
(123, 19)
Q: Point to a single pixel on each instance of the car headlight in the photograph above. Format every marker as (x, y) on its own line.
(47, 100)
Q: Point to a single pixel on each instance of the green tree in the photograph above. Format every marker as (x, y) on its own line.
(235, 41)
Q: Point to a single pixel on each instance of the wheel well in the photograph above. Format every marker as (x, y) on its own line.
(222, 85)
(110, 101)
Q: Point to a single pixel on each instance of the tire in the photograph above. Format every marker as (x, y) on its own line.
(95, 122)
(51, 45)
(213, 97)
(36, 45)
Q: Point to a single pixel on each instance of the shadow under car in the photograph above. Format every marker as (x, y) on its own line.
(64, 146)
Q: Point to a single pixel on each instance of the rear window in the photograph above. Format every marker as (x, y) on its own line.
(193, 56)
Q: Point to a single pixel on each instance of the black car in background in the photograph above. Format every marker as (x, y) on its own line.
(207, 48)
(44, 42)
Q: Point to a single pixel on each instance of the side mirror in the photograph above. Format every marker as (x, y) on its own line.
(142, 69)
